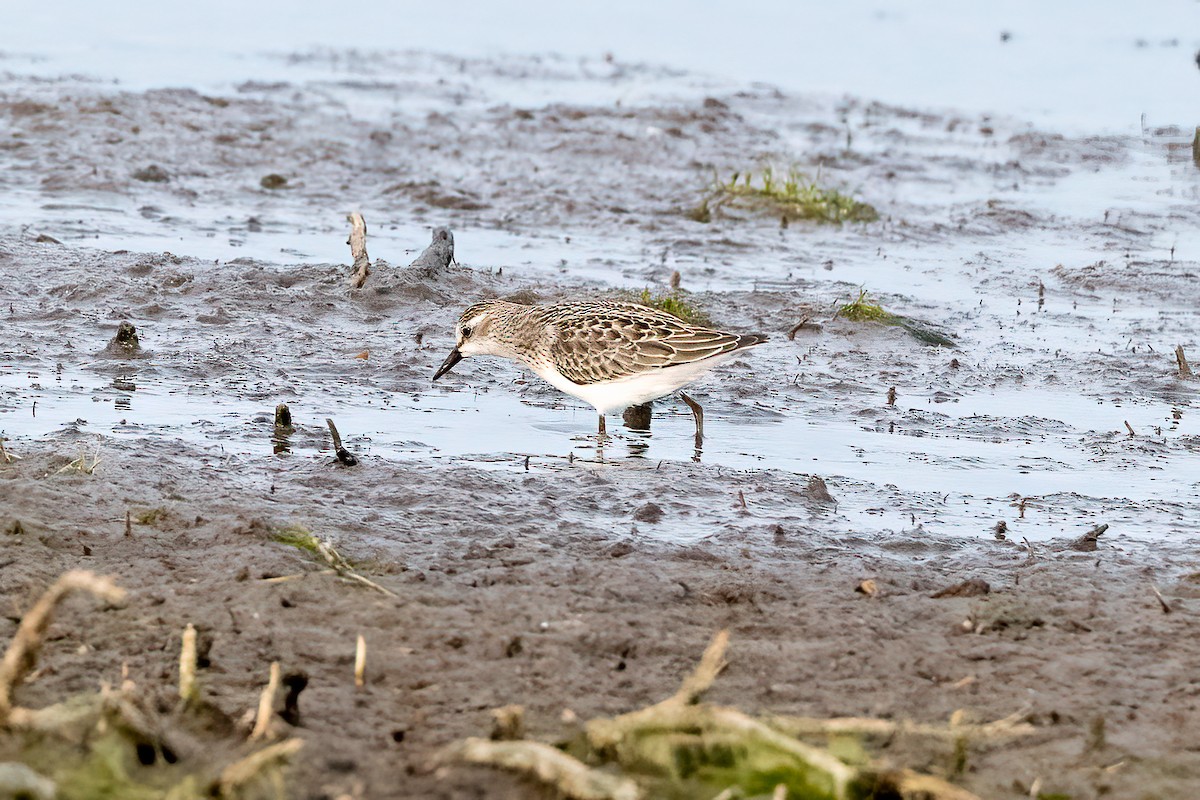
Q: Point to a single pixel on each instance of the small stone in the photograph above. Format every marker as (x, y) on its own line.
(273, 181)
(152, 174)
(817, 491)
(650, 512)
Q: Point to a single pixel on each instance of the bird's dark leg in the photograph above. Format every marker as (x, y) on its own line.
(698, 413)
(602, 429)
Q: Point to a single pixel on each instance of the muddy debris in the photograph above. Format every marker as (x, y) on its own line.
(125, 343)
(1088, 542)
(971, 587)
(152, 174)
(817, 492)
(273, 181)
(650, 512)
(438, 256)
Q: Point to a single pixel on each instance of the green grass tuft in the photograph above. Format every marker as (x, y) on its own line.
(863, 310)
(296, 536)
(672, 302)
(792, 196)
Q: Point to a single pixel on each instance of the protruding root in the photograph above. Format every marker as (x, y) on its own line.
(21, 655)
(358, 249)
(548, 764)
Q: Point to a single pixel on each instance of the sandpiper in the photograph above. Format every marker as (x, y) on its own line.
(611, 355)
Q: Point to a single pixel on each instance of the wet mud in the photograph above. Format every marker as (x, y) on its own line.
(532, 563)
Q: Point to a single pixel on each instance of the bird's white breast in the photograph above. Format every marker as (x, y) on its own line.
(616, 395)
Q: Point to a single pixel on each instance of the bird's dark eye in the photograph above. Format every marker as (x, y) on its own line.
(466, 331)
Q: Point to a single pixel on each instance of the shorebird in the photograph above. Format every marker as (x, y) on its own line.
(611, 355)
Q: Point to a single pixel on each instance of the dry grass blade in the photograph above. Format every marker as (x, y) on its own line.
(21, 655)
(548, 764)
(342, 567)
(81, 465)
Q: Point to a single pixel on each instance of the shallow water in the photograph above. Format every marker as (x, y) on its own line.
(1078, 66)
(959, 461)
(1060, 264)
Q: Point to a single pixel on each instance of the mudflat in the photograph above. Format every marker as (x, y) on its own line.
(529, 563)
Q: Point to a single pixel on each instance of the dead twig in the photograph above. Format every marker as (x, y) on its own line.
(188, 689)
(1185, 371)
(81, 464)
(706, 672)
(360, 663)
(343, 568)
(266, 704)
(799, 326)
(1010, 727)
(548, 764)
(21, 655)
(1166, 608)
(343, 455)
(5, 456)
(358, 249)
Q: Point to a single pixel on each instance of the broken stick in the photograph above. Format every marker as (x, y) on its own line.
(188, 691)
(1185, 371)
(343, 455)
(358, 249)
(266, 704)
(360, 663)
(21, 655)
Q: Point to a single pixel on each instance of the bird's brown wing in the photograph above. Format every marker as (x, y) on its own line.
(596, 342)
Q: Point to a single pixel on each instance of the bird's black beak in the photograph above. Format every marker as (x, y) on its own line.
(448, 364)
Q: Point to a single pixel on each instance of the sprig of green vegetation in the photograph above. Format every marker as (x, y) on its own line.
(673, 302)
(299, 537)
(863, 310)
(793, 196)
